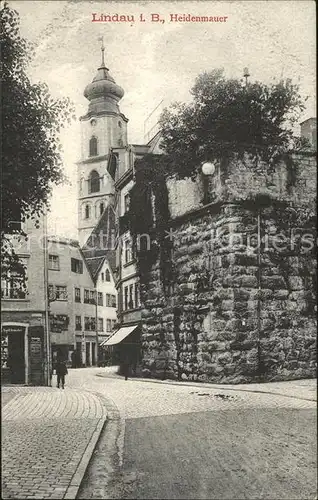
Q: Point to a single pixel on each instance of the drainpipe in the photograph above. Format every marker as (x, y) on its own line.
(96, 326)
(46, 302)
(259, 241)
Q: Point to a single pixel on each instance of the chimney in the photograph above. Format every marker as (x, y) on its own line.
(308, 130)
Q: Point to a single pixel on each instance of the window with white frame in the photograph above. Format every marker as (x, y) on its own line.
(76, 266)
(92, 297)
(14, 286)
(86, 296)
(108, 325)
(127, 251)
(90, 323)
(78, 323)
(137, 295)
(61, 292)
(54, 262)
(125, 298)
(100, 299)
(100, 324)
(113, 300)
(77, 295)
(131, 297)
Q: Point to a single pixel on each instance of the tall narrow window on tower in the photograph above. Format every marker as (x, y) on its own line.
(93, 150)
(93, 182)
(87, 211)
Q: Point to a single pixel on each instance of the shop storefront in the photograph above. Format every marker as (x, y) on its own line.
(22, 354)
(124, 348)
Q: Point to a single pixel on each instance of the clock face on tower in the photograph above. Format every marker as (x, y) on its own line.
(93, 122)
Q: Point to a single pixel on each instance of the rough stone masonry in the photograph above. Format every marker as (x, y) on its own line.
(240, 305)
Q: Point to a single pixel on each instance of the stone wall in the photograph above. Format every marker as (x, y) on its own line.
(241, 180)
(235, 311)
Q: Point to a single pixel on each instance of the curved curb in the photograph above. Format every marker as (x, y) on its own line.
(108, 456)
(77, 478)
(204, 385)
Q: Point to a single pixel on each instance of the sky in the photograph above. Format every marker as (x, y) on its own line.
(160, 60)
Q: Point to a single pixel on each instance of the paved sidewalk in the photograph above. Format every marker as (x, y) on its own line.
(304, 389)
(48, 437)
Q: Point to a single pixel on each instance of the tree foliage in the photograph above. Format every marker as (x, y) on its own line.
(226, 118)
(31, 122)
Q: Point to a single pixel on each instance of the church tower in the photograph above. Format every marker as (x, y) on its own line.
(103, 127)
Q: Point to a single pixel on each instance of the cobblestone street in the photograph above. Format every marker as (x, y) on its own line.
(161, 439)
(45, 435)
(202, 441)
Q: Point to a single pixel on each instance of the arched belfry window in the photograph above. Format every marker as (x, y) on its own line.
(93, 149)
(87, 211)
(93, 182)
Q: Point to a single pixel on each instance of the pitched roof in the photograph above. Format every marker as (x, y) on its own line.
(94, 264)
(101, 243)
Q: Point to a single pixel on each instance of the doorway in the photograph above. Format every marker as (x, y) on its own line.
(94, 353)
(88, 357)
(16, 362)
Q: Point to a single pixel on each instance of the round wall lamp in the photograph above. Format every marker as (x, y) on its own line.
(208, 168)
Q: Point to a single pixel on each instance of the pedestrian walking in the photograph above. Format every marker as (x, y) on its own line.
(73, 358)
(61, 371)
(126, 369)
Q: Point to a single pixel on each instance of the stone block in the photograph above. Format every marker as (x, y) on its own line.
(252, 356)
(233, 325)
(281, 294)
(241, 294)
(224, 358)
(205, 357)
(247, 281)
(227, 305)
(245, 259)
(225, 335)
(245, 345)
(229, 369)
(296, 283)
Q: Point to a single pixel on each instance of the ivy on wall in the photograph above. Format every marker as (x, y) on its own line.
(149, 216)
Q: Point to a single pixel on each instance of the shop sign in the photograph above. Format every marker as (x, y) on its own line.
(59, 322)
(7, 329)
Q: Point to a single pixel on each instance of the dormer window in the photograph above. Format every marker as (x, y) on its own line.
(93, 150)
(93, 182)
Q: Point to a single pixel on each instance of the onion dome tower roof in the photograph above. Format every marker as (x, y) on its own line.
(103, 93)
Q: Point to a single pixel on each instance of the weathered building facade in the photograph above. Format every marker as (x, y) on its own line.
(239, 305)
(82, 299)
(24, 339)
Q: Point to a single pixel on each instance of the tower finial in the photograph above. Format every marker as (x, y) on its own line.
(101, 39)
